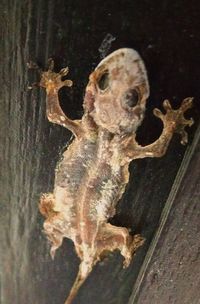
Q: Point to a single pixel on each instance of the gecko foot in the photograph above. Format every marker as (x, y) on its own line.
(53, 81)
(53, 223)
(46, 205)
(136, 242)
(112, 237)
(49, 79)
(175, 119)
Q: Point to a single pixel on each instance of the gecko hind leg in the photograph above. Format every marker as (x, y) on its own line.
(52, 222)
(113, 237)
(46, 205)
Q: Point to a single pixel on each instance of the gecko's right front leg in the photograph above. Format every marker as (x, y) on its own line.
(53, 82)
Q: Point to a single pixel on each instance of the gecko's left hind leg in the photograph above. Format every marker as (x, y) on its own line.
(52, 222)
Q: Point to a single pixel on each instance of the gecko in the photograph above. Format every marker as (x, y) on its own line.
(93, 172)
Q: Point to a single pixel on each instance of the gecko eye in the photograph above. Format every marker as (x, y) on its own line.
(131, 98)
(103, 81)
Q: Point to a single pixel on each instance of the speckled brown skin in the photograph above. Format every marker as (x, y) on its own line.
(93, 173)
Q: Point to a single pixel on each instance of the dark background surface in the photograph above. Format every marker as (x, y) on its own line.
(166, 34)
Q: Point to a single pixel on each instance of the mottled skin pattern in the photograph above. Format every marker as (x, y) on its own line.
(93, 172)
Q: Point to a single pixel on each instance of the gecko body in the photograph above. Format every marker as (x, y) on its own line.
(93, 172)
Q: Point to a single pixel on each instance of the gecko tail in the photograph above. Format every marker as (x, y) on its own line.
(84, 271)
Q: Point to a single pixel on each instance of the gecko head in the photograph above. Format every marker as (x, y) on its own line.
(117, 92)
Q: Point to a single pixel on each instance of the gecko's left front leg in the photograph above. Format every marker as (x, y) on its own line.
(53, 82)
(173, 122)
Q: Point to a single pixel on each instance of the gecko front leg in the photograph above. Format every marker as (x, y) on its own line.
(173, 122)
(52, 82)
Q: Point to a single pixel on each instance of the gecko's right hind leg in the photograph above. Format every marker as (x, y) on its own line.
(112, 237)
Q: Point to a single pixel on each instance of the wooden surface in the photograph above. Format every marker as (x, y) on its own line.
(166, 34)
(170, 272)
